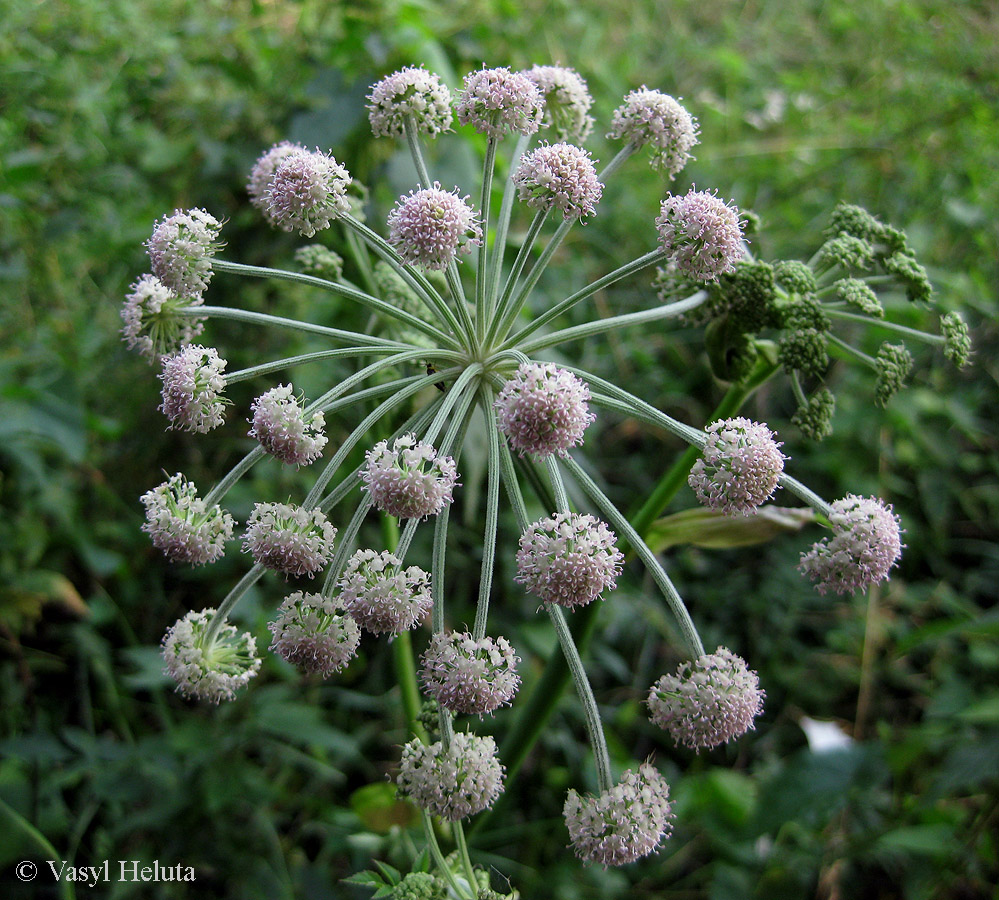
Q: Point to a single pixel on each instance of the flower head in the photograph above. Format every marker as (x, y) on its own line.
(543, 409)
(181, 249)
(569, 559)
(567, 101)
(625, 822)
(320, 261)
(307, 192)
(814, 418)
(709, 700)
(381, 596)
(262, 175)
(183, 526)
(454, 783)
(289, 539)
(431, 227)
(153, 321)
(314, 633)
(739, 467)
(894, 362)
(469, 676)
(560, 177)
(957, 343)
(411, 92)
(410, 481)
(192, 389)
(701, 233)
(211, 670)
(658, 120)
(284, 430)
(497, 102)
(866, 542)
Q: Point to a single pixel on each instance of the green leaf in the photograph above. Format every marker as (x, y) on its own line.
(709, 528)
(921, 840)
(380, 809)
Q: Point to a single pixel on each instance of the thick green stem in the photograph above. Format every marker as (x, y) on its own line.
(278, 365)
(216, 494)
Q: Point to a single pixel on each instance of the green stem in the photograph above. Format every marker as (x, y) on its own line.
(601, 326)
(850, 350)
(455, 393)
(361, 259)
(914, 333)
(624, 271)
(503, 308)
(627, 151)
(333, 287)
(503, 225)
(594, 727)
(676, 476)
(416, 282)
(486, 200)
(18, 823)
(238, 471)
(280, 364)
(402, 649)
(233, 597)
(492, 517)
(255, 318)
(438, 857)
(466, 861)
(652, 565)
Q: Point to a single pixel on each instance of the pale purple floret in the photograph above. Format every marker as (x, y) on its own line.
(431, 227)
(381, 596)
(262, 175)
(153, 323)
(283, 429)
(181, 249)
(314, 633)
(468, 676)
(623, 823)
(659, 121)
(497, 101)
(739, 467)
(709, 701)
(865, 544)
(412, 94)
(559, 177)
(410, 481)
(567, 101)
(183, 526)
(454, 783)
(543, 409)
(193, 382)
(289, 539)
(702, 234)
(569, 559)
(208, 670)
(308, 191)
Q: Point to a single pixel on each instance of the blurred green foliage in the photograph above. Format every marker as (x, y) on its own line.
(114, 113)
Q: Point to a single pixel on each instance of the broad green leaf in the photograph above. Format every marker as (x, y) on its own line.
(709, 528)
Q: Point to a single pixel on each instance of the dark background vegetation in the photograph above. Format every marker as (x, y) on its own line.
(113, 113)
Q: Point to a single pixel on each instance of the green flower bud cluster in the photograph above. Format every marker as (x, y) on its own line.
(795, 277)
(894, 363)
(957, 346)
(814, 418)
(860, 294)
(802, 345)
(315, 259)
